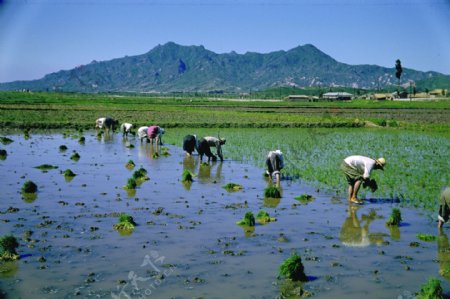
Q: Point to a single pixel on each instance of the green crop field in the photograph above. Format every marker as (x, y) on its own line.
(414, 137)
(417, 162)
(53, 110)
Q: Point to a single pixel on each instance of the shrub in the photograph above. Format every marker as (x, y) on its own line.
(431, 289)
(248, 220)
(395, 218)
(29, 187)
(292, 268)
(272, 192)
(232, 187)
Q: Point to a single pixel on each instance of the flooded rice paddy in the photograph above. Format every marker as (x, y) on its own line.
(186, 243)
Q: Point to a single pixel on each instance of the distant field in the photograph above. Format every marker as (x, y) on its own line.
(53, 110)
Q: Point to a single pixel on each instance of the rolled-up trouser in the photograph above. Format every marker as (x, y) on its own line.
(351, 174)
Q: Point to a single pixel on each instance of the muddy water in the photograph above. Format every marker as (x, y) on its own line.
(186, 243)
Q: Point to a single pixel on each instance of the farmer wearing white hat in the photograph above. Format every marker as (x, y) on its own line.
(357, 169)
(275, 163)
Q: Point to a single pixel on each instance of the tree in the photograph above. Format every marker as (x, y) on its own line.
(398, 73)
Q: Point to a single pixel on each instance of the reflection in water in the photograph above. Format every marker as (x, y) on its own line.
(105, 136)
(204, 172)
(394, 231)
(190, 163)
(271, 202)
(249, 231)
(131, 193)
(148, 151)
(8, 269)
(443, 255)
(29, 197)
(355, 232)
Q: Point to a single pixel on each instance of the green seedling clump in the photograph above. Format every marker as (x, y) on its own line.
(431, 290)
(29, 187)
(126, 222)
(82, 140)
(292, 268)
(426, 237)
(140, 174)
(155, 155)
(395, 218)
(248, 220)
(445, 271)
(186, 176)
(6, 140)
(263, 217)
(272, 192)
(26, 134)
(165, 152)
(63, 148)
(3, 154)
(305, 198)
(46, 167)
(371, 184)
(75, 156)
(131, 184)
(130, 164)
(69, 173)
(8, 245)
(232, 187)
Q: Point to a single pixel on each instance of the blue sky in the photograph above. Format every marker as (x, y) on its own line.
(38, 37)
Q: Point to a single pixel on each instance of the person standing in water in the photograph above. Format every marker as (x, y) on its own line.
(275, 162)
(357, 169)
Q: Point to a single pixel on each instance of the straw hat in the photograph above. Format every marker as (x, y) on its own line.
(381, 162)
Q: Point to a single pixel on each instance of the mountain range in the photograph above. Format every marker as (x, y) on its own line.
(176, 68)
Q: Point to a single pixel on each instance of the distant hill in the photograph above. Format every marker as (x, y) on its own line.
(175, 68)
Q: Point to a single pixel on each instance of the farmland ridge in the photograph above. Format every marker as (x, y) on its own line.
(175, 68)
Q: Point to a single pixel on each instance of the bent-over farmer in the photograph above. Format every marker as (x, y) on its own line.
(125, 128)
(106, 122)
(154, 133)
(142, 133)
(190, 144)
(357, 169)
(444, 207)
(217, 143)
(275, 162)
